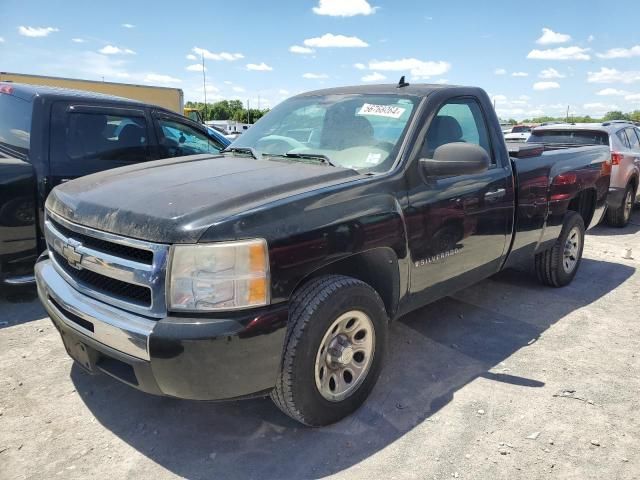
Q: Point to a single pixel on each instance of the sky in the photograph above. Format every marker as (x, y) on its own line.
(533, 58)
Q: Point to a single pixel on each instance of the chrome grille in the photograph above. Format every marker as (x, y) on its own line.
(120, 271)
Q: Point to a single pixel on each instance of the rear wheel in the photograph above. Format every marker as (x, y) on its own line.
(619, 217)
(557, 266)
(335, 346)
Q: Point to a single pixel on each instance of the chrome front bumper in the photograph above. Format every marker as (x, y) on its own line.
(110, 326)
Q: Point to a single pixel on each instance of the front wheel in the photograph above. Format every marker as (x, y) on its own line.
(334, 350)
(557, 266)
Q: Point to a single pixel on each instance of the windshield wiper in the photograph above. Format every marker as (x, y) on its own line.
(243, 150)
(312, 156)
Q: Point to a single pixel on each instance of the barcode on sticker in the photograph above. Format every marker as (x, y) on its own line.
(381, 110)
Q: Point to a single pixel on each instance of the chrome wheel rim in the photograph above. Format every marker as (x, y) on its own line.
(571, 250)
(345, 356)
(628, 205)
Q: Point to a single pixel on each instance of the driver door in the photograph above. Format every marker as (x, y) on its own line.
(458, 225)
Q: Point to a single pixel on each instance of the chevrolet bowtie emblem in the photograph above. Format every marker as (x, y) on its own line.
(70, 252)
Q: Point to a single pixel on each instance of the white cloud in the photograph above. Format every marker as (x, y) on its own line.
(373, 77)
(191, 57)
(442, 81)
(282, 91)
(359, 66)
(550, 37)
(78, 40)
(36, 31)
(259, 67)
(519, 74)
(560, 53)
(300, 49)
(1, 40)
(162, 79)
(196, 67)
(128, 25)
(545, 85)
(621, 53)
(598, 108)
(329, 40)
(500, 71)
(92, 65)
(612, 92)
(344, 8)
(238, 89)
(418, 69)
(611, 75)
(550, 73)
(635, 97)
(113, 50)
(591, 38)
(315, 76)
(229, 57)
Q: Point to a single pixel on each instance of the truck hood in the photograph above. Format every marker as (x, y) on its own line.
(175, 201)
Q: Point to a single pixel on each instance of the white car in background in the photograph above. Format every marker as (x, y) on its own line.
(519, 133)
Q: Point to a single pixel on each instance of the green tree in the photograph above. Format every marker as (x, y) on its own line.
(634, 116)
(615, 115)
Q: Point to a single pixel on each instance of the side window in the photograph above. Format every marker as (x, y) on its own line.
(460, 120)
(178, 139)
(623, 138)
(633, 138)
(15, 125)
(99, 136)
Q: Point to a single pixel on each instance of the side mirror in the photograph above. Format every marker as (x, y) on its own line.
(457, 158)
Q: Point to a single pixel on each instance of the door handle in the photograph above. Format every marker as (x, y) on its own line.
(495, 195)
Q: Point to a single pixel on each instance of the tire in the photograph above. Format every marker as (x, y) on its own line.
(619, 217)
(550, 265)
(316, 309)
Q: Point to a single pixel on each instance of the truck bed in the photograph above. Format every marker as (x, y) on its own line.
(546, 182)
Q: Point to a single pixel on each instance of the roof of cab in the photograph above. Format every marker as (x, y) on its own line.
(29, 92)
(418, 90)
(607, 127)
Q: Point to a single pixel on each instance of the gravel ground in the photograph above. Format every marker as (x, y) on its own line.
(506, 379)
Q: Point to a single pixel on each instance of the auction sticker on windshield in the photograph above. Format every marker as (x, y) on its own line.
(389, 111)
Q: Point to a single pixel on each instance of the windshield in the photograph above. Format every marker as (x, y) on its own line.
(363, 132)
(570, 137)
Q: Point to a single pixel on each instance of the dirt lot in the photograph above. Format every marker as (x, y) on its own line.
(506, 379)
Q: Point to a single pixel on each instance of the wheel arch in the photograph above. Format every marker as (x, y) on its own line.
(584, 203)
(379, 268)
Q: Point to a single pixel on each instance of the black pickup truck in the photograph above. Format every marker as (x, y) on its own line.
(276, 267)
(51, 135)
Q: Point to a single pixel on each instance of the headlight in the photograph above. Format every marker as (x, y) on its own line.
(219, 276)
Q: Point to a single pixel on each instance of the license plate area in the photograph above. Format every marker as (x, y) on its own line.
(83, 355)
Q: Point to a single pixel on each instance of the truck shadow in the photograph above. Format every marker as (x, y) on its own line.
(633, 227)
(434, 352)
(18, 306)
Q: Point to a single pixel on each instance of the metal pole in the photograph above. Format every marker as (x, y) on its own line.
(568, 113)
(204, 88)
(248, 112)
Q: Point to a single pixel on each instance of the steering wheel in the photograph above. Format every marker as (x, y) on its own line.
(273, 140)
